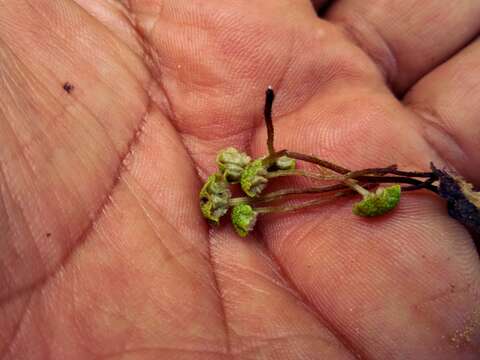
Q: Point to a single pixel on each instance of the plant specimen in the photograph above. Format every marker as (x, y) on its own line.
(378, 198)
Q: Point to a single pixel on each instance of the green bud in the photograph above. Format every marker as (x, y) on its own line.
(231, 163)
(214, 198)
(253, 179)
(379, 202)
(243, 219)
(285, 163)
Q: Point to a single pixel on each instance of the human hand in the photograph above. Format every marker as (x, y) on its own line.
(104, 253)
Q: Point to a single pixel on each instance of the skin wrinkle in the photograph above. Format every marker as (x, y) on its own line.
(4, 299)
(432, 119)
(269, 279)
(173, 122)
(269, 343)
(18, 326)
(175, 257)
(386, 59)
(219, 290)
(149, 55)
(8, 193)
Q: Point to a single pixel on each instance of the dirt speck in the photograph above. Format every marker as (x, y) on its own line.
(68, 87)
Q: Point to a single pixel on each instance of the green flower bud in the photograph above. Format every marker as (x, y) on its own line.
(285, 163)
(243, 219)
(378, 203)
(231, 163)
(253, 179)
(214, 198)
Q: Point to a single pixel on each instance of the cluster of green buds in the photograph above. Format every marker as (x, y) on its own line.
(231, 164)
(214, 198)
(237, 167)
(255, 176)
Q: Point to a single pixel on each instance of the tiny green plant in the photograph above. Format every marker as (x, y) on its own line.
(254, 176)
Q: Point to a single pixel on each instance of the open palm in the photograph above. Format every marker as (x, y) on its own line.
(104, 253)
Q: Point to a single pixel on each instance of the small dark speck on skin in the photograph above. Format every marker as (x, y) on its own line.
(68, 87)
(48, 235)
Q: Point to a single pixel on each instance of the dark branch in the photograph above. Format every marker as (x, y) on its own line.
(314, 160)
(270, 96)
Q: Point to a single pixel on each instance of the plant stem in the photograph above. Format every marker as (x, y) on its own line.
(308, 174)
(397, 180)
(269, 97)
(360, 176)
(314, 160)
(282, 194)
(353, 184)
(303, 205)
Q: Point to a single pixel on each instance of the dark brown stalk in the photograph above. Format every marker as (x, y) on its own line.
(281, 194)
(398, 180)
(314, 160)
(269, 97)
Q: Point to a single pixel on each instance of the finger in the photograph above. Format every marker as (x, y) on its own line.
(408, 38)
(448, 102)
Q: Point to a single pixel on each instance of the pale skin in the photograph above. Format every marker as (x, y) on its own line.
(103, 250)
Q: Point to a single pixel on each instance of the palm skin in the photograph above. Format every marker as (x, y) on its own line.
(104, 251)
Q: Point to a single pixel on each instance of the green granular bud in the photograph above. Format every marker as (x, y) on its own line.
(214, 198)
(285, 163)
(378, 203)
(243, 219)
(231, 163)
(253, 179)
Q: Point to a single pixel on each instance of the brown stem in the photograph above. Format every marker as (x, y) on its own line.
(281, 194)
(412, 174)
(372, 171)
(269, 97)
(314, 160)
(307, 174)
(427, 184)
(303, 205)
(399, 180)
